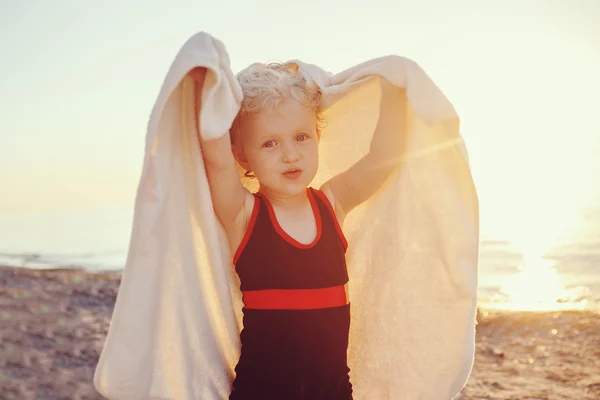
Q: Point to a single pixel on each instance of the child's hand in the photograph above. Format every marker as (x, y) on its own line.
(198, 74)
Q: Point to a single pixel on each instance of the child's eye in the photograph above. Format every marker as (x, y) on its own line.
(270, 143)
(304, 136)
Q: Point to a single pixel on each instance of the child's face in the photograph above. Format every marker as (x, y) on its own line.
(275, 140)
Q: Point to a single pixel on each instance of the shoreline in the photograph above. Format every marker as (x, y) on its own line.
(53, 323)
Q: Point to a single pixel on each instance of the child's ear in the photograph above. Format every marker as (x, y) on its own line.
(240, 157)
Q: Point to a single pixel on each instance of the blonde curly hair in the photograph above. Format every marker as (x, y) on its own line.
(265, 85)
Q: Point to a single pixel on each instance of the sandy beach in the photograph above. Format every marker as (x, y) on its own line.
(53, 324)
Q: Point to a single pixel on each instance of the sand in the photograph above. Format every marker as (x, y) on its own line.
(536, 355)
(53, 324)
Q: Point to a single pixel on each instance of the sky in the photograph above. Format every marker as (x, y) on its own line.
(78, 80)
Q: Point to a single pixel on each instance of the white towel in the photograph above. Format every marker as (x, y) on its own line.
(412, 255)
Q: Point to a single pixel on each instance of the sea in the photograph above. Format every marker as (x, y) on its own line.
(517, 269)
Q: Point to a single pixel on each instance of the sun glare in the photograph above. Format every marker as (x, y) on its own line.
(534, 225)
(536, 287)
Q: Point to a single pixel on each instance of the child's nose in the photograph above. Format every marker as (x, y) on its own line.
(290, 153)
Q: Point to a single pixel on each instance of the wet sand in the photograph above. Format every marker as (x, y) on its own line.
(53, 324)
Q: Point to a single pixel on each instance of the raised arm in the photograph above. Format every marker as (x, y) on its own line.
(359, 182)
(227, 192)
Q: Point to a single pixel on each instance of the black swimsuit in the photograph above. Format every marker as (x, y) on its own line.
(296, 313)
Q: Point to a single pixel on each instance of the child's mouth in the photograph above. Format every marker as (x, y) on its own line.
(293, 174)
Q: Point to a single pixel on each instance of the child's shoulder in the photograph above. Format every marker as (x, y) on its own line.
(328, 193)
(239, 227)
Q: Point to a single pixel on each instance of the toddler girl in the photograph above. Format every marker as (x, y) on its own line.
(287, 240)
